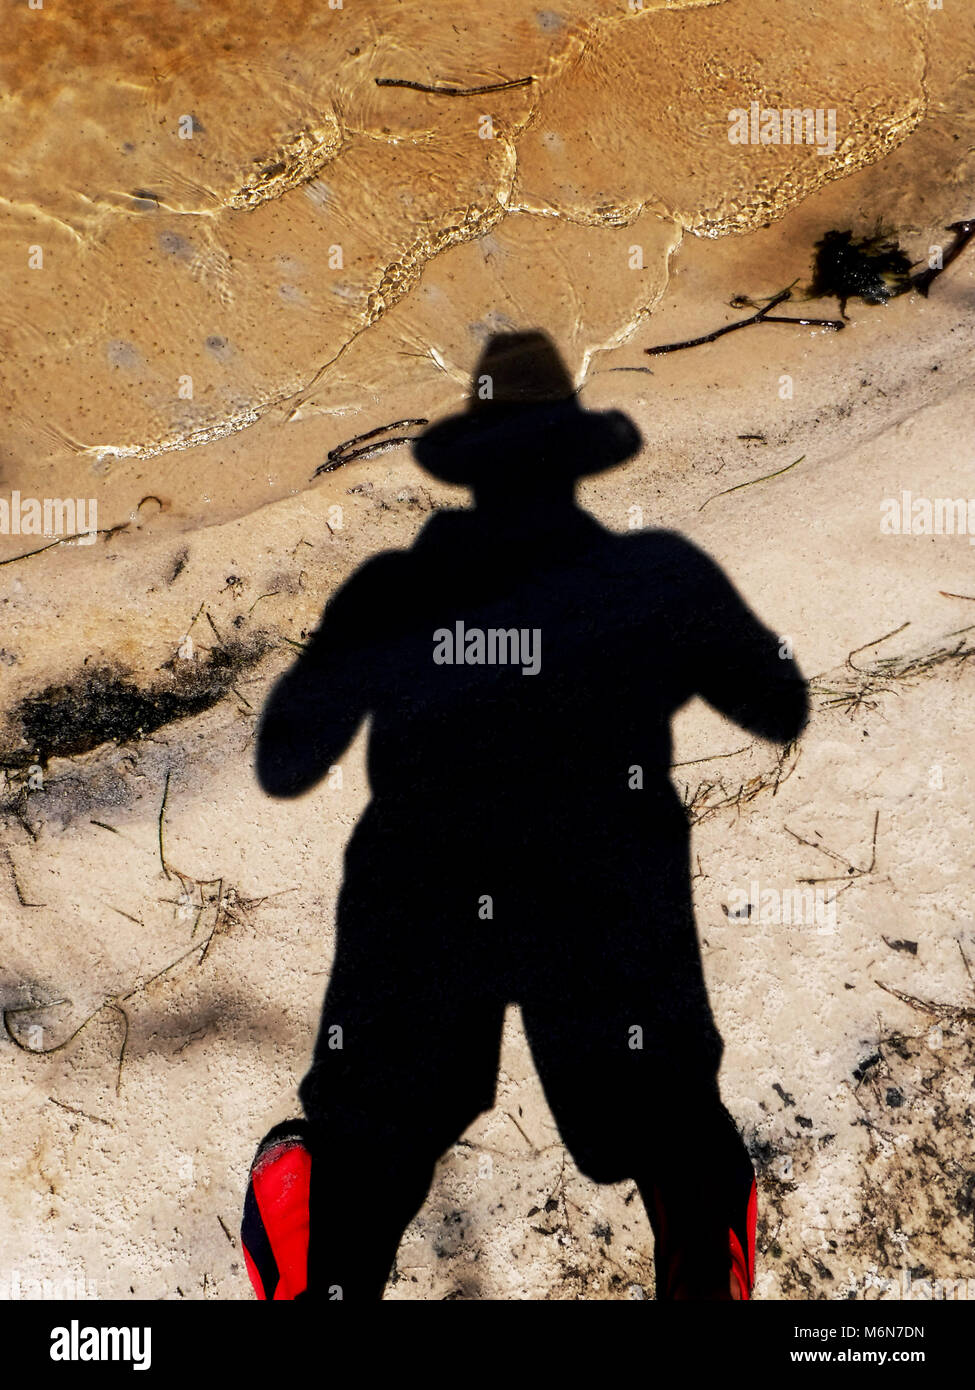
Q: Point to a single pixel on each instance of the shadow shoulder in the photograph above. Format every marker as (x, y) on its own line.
(662, 548)
(377, 573)
(386, 581)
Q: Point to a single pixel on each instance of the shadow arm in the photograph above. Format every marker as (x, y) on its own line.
(743, 669)
(316, 707)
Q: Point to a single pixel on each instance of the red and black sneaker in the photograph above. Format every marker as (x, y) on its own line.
(274, 1229)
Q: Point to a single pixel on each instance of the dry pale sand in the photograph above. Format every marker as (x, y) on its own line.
(166, 928)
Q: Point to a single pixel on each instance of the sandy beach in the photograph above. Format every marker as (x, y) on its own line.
(251, 252)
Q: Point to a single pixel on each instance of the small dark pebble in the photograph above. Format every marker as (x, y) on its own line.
(902, 945)
(867, 1065)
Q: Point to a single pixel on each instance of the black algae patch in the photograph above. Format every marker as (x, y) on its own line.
(873, 269)
(103, 705)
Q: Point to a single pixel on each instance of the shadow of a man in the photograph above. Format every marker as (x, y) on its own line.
(520, 665)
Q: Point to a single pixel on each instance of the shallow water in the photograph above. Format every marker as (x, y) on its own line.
(240, 229)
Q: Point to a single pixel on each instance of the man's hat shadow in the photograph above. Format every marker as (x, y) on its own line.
(523, 417)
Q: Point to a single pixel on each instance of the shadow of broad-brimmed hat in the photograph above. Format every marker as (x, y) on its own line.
(523, 421)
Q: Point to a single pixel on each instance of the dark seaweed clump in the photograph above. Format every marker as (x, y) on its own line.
(872, 268)
(103, 706)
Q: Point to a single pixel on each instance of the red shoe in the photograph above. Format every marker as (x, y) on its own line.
(675, 1270)
(274, 1229)
(742, 1265)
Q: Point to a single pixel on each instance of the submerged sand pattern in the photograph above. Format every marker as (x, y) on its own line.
(225, 198)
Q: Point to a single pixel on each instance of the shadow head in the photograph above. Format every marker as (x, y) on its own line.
(523, 427)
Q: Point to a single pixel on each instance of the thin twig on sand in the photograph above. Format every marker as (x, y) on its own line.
(762, 315)
(347, 452)
(437, 89)
(852, 871)
(751, 482)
